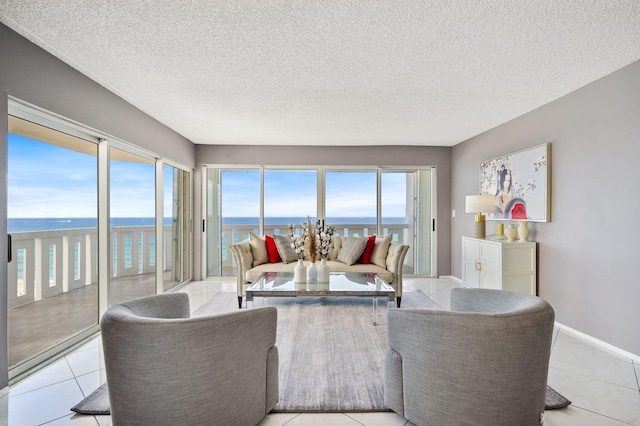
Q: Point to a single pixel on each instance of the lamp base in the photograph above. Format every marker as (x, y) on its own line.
(480, 225)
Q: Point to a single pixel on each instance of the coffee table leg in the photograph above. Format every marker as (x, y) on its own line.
(375, 310)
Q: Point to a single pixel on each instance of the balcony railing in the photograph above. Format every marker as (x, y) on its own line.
(49, 263)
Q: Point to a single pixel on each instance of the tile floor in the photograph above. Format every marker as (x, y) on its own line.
(602, 385)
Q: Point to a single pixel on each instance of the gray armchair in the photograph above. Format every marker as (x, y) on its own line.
(485, 362)
(164, 368)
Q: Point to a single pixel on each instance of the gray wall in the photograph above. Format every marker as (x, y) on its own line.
(33, 75)
(589, 253)
(440, 157)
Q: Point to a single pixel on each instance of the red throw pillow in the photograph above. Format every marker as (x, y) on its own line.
(272, 250)
(368, 249)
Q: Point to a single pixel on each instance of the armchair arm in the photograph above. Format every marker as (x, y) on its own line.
(244, 261)
(395, 262)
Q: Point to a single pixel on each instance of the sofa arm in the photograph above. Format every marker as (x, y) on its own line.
(244, 261)
(395, 262)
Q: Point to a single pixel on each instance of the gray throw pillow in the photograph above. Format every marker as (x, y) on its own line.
(352, 249)
(286, 252)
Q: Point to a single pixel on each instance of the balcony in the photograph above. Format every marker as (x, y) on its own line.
(53, 275)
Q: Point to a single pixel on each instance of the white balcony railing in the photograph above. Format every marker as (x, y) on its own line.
(48, 263)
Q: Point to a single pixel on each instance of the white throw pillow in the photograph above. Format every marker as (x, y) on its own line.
(352, 250)
(380, 250)
(337, 246)
(258, 249)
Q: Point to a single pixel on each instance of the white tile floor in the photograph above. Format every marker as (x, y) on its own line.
(602, 385)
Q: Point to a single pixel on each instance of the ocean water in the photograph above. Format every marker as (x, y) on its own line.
(47, 224)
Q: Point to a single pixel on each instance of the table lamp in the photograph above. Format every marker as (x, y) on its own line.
(480, 204)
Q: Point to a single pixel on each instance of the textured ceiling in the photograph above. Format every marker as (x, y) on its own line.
(323, 72)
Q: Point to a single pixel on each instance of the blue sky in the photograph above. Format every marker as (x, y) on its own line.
(293, 194)
(49, 181)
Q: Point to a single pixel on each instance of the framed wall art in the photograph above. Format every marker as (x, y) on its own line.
(520, 183)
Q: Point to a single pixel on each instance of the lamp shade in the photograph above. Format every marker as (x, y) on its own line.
(479, 203)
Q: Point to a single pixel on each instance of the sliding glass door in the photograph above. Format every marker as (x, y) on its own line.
(83, 232)
(176, 233)
(132, 223)
(367, 201)
(52, 221)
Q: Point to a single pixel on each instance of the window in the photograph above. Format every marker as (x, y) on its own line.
(358, 202)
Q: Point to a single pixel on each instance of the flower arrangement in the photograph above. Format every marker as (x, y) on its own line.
(324, 238)
(297, 242)
(315, 241)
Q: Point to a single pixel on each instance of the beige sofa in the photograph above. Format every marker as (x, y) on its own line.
(387, 261)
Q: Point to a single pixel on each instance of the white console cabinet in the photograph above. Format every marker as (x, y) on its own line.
(499, 265)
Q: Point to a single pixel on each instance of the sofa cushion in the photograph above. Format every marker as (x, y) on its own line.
(380, 250)
(368, 249)
(352, 250)
(258, 249)
(272, 250)
(286, 252)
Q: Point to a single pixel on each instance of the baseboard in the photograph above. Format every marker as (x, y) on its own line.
(451, 277)
(604, 345)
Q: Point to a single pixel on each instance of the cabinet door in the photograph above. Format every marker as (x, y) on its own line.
(470, 258)
(520, 269)
(491, 261)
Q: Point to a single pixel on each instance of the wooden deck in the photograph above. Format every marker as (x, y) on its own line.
(38, 326)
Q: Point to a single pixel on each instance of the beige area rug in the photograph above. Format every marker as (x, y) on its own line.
(331, 354)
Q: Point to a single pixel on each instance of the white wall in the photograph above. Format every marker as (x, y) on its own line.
(589, 255)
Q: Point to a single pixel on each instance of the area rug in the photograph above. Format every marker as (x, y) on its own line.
(331, 354)
(97, 403)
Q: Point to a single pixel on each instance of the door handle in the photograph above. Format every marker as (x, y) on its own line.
(9, 249)
(478, 265)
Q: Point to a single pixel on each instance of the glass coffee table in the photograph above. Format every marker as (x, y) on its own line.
(341, 284)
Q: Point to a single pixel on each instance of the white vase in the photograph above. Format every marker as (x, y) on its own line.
(312, 272)
(323, 271)
(510, 232)
(299, 272)
(523, 231)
